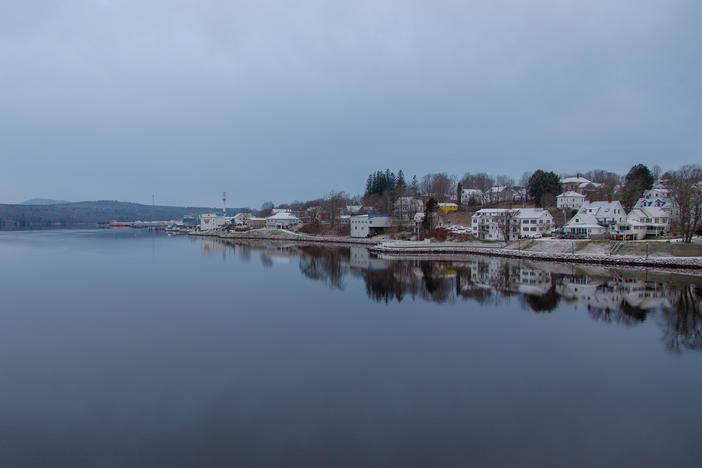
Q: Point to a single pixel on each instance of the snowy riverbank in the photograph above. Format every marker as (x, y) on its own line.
(548, 250)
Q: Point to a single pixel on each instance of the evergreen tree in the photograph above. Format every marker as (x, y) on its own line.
(637, 180)
(430, 214)
(414, 186)
(542, 184)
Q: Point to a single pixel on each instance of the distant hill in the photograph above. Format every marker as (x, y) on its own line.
(89, 213)
(44, 201)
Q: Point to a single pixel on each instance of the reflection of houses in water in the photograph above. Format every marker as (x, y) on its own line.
(509, 277)
(213, 248)
(361, 259)
(533, 281)
(280, 253)
(611, 294)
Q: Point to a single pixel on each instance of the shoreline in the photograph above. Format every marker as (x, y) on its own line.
(687, 263)
(426, 250)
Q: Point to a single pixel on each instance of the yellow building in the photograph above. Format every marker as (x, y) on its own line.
(446, 207)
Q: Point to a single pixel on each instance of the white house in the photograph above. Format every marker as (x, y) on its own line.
(578, 184)
(490, 224)
(666, 204)
(574, 183)
(406, 207)
(608, 213)
(499, 194)
(472, 197)
(281, 220)
(630, 229)
(584, 225)
(535, 222)
(657, 193)
(571, 200)
(364, 225)
(656, 220)
(212, 221)
(241, 219)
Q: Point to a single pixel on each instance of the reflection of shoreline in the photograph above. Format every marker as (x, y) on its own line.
(430, 252)
(433, 252)
(626, 296)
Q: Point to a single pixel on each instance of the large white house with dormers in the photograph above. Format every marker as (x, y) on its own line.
(490, 224)
(607, 213)
(571, 200)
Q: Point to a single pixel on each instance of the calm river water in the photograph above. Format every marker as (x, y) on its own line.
(130, 348)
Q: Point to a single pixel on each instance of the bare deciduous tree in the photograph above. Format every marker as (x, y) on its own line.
(335, 203)
(508, 224)
(686, 192)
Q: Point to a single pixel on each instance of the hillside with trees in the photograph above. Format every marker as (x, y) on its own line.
(88, 214)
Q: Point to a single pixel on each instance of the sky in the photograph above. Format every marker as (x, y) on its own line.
(282, 100)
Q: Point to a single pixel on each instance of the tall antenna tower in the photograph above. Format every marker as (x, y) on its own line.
(224, 203)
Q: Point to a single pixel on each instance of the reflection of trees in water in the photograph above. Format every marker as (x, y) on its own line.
(682, 323)
(625, 314)
(266, 260)
(325, 264)
(542, 303)
(411, 278)
(611, 296)
(244, 252)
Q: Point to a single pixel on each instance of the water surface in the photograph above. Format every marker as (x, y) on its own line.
(132, 348)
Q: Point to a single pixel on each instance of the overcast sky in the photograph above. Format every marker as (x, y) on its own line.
(287, 100)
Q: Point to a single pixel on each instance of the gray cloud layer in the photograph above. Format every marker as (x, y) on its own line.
(280, 100)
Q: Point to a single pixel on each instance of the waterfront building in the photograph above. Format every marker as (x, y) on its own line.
(534, 222)
(644, 222)
(584, 226)
(212, 221)
(365, 225)
(282, 220)
(607, 213)
(491, 223)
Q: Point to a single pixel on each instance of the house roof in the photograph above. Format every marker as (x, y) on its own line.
(588, 183)
(575, 180)
(492, 211)
(601, 208)
(654, 212)
(583, 220)
(532, 213)
(571, 194)
(283, 215)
